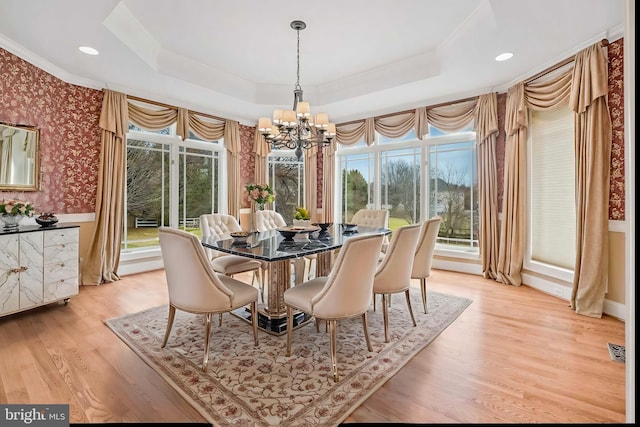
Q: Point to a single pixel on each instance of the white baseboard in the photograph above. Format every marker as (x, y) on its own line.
(610, 308)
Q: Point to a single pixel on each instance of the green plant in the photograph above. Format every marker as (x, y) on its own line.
(15, 207)
(302, 214)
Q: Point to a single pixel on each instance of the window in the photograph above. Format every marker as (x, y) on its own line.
(286, 178)
(357, 183)
(453, 193)
(415, 180)
(552, 212)
(170, 182)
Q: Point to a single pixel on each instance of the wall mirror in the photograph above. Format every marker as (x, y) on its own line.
(19, 157)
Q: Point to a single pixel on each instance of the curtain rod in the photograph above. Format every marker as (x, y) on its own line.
(603, 43)
(443, 104)
(161, 104)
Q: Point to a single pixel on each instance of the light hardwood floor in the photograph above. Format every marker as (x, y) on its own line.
(515, 355)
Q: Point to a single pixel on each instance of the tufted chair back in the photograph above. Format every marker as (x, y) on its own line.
(371, 218)
(217, 224)
(268, 220)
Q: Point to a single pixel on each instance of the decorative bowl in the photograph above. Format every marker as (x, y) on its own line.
(324, 226)
(287, 234)
(349, 228)
(46, 222)
(240, 236)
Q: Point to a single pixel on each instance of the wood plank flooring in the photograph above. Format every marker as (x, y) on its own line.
(515, 355)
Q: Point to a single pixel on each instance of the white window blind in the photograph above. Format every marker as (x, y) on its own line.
(552, 174)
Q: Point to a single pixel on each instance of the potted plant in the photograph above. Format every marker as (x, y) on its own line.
(301, 217)
(13, 211)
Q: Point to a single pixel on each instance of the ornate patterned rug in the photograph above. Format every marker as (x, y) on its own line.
(260, 386)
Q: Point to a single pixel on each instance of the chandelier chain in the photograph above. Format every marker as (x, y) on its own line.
(298, 61)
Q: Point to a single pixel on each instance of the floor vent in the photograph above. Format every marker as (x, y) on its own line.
(616, 352)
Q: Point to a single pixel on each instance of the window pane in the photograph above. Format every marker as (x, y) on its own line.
(286, 178)
(357, 184)
(400, 179)
(197, 187)
(147, 193)
(165, 131)
(411, 135)
(453, 193)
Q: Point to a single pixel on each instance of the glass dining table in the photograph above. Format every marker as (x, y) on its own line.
(278, 251)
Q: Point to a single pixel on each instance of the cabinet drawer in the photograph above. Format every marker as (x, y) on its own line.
(55, 254)
(60, 271)
(58, 237)
(59, 289)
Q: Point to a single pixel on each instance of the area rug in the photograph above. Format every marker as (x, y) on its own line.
(260, 386)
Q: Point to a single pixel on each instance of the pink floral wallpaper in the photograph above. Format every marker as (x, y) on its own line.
(500, 146)
(616, 109)
(67, 116)
(247, 159)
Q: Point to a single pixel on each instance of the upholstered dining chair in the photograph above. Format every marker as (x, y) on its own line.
(394, 272)
(344, 293)
(373, 218)
(423, 257)
(195, 287)
(217, 224)
(269, 220)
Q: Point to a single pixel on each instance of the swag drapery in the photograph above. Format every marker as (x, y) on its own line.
(482, 109)
(584, 86)
(104, 251)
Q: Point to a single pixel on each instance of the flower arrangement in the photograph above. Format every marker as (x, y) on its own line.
(15, 207)
(260, 193)
(302, 214)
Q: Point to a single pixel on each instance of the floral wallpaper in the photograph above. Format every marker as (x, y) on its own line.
(67, 116)
(500, 146)
(616, 109)
(247, 159)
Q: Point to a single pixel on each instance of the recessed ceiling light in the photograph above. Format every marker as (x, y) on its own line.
(504, 56)
(88, 50)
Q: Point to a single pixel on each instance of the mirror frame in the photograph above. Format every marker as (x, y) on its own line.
(35, 186)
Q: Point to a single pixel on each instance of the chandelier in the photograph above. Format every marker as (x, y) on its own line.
(297, 128)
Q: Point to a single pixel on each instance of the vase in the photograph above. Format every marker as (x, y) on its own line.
(252, 220)
(11, 221)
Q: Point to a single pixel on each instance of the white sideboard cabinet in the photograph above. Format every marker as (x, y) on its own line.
(38, 266)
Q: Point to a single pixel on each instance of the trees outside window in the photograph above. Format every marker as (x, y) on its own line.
(286, 178)
(170, 182)
(416, 180)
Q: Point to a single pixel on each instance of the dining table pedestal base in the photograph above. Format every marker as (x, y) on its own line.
(273, 325)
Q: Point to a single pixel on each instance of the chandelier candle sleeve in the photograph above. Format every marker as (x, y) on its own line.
(297, 128)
